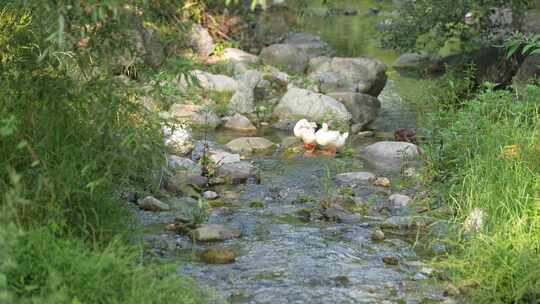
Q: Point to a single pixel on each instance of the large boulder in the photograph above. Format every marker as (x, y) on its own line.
(178, 138)
(150, 47)
(299, 103)
(288, 57)
(238, 61)
(236, 173)
(182, 164)
(243, 100)
(208, 81)
(239, 122)
(248, 145)
(194, 114)
(200, 41)
(391, 155)
(363, 108)
(357, 75)
(311, 44)
(418, 64)
(528, 71)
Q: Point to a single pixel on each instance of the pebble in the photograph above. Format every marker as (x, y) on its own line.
(390, 260)
(377, 235)
(382, 182)
(218, 255)
(210, 195)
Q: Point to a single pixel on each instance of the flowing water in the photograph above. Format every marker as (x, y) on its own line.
(284, 259)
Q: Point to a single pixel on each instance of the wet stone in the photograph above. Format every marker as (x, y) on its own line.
(391, 260)
(215, 232)
(218, 255)
(151, 203)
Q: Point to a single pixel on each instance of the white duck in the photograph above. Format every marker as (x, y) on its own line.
(305, 130)
(331, 141)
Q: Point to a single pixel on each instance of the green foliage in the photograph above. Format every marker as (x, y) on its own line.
(487, 148)
(526, 44)
(428, 24)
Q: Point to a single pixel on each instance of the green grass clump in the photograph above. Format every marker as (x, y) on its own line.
(486, 155)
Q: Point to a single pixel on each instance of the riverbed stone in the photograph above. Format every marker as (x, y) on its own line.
(391, 260)
(218, 255)
(299, 103)
(248, 145)
(391, 155)
(178, 138)
(183, 164)
(336, 212)
(220, 157)
(237, 172)
(243, 100)
(399, 200)
(364, 108)
(238, 60)
(195, 114)
(210, 195)
(351, 178)
(200, 40)
(311, 44)
(239, 122)
(377, 235)
(209, 81)
(151, 203)
(180, 180)
(356, 75)
(215, 232)
(418, 64)
(289, 57)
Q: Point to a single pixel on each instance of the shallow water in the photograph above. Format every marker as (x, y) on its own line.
(284, 259)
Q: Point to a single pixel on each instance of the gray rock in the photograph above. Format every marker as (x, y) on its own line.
(237, 172)
(391, 260)
(215, 232)
(208, 81)
(391, 155)
(194, 114)
(199, 147)
(178, 138)
(248, 145)
(531, 22)
(239, 122)
(528, 71)
(218, 255)
(406, 222)
(357, 75)
(399, 200)
(418, 64)
(200, 40)
(311, 44)
(338, 213)
(363, 108)
(289, 57)
(152, 49)
(352, 178)
(221, 157)
(239, 60)
(243, 100)
(180, 181)
(210, 195)
(300, 103)
(378, 235)
(151, 203)
(177, 164)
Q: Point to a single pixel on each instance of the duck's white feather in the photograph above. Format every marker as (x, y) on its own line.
(325, 137)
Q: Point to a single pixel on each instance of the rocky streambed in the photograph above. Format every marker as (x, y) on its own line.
(260, 222)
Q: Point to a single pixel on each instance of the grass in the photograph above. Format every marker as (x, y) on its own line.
(485, 154)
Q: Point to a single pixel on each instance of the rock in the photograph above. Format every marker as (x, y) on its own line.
(391, 155)
(151, 203)
(215, 232)
(243, 100)
(419, 277)
(382, 182)
(311, 44)
(528, 71)
(365, 134)
(239, 60)
(218, 255)
(363, 108)
(239, 122)
(236, 173)
(289, 57)
(418, 64)
(391, 260)
(451, 291)
(406, 222)
(194, 114)
(399, 200)
(299, 103)
(179, 181)
(378, 235)
(531, 22)
(220, 157)
(210, 195)
(336, 212)
(248, 145)
(208, 81)
(177, 163)
(352, 178)
(151, 48)
(356, 75)
(273, 25)
(290, 141)
(178, 138)
(200, 40)
(285, 124)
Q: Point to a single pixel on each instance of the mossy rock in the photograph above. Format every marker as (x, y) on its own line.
(218, 255)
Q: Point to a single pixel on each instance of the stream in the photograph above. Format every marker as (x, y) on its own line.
(283, 258)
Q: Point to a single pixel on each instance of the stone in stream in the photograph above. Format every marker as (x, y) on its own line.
(391, 260)
(364, 108)
(248, 145)
(356, 75)
(399, 200)
(391, 155)
(239, 122)
(406, 223)
(151, 203)
(181, 180)
(178, 138)
(194, 114)
(236, 173)
(183, 164)
(208, 81)
(336, 212)
(418, 64)
(215, 232)
(218, 255)
(210, 195)
(299, 103)
(352, 178)
(378, 235)
(243, 100)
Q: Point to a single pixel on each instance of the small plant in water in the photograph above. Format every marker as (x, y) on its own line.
(199, 213)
